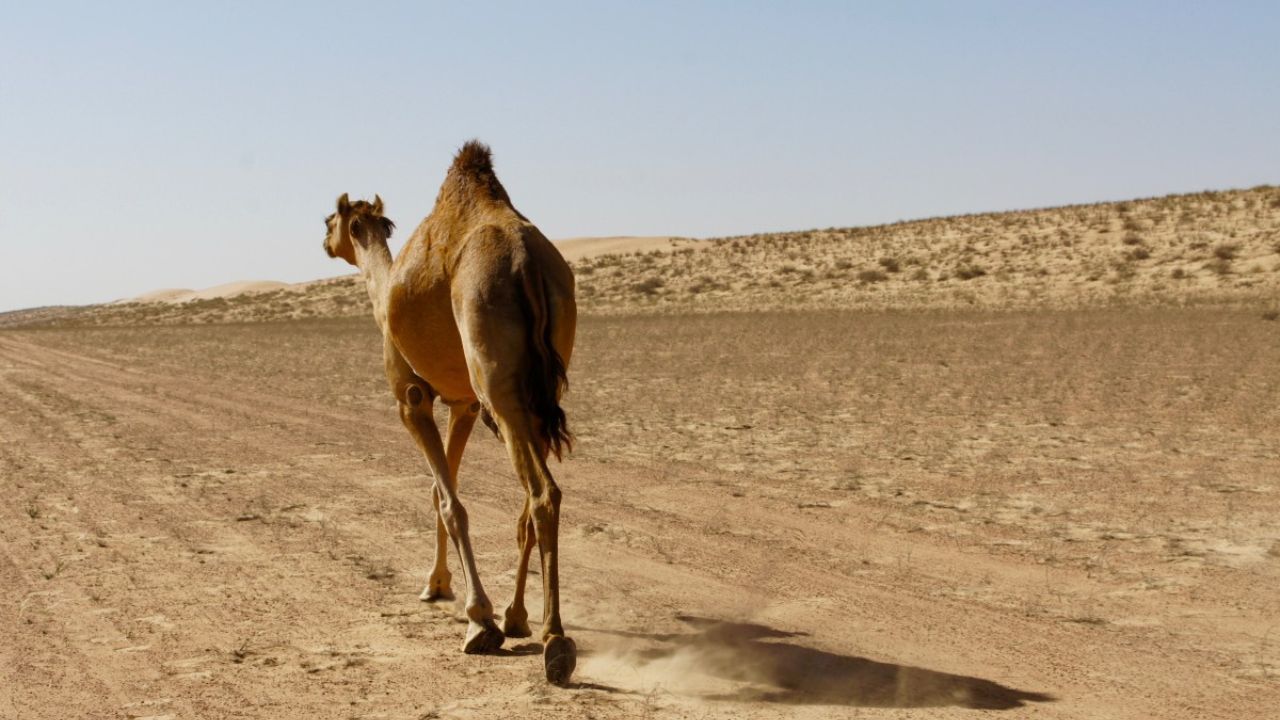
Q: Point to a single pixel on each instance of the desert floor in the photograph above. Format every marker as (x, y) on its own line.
(1054, 514)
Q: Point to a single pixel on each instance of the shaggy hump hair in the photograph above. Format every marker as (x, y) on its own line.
(472, 170)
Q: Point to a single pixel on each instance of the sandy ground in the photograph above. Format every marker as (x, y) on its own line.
(1061, 515)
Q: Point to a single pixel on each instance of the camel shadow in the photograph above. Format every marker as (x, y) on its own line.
(521, 650)
(788, 673)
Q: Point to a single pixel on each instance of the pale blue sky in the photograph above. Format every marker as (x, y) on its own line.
(147, 145)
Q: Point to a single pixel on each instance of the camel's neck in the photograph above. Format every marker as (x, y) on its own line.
(375, 266)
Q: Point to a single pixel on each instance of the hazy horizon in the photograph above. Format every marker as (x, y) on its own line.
(148, 146)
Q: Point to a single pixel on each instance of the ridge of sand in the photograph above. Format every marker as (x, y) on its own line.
(1207, 248)
(161, 295)
(573, 249)
(233, 289)
(579, 248)
(225, 290)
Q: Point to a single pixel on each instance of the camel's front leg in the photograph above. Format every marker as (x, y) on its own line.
(440, 582)
(483, 634)
(462, 418)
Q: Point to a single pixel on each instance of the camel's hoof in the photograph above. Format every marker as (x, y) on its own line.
(482, 637)
(515, 624)
(560, 657)
(437, 589)
(435, 594)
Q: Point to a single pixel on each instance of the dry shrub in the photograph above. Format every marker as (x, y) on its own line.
(1219, 266)
(648, 286)
(704, 282)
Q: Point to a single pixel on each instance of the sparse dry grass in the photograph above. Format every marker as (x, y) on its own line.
(1080, 256)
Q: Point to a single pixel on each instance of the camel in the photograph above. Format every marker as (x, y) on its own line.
(478, 311)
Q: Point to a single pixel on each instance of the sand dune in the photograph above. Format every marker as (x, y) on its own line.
(573, 249)
(226, 290)
(1207, 248)
(233, 289)
(161, 295)
(579, 248)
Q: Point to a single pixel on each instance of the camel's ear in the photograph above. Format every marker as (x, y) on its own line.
(377, 204)
(344, 205)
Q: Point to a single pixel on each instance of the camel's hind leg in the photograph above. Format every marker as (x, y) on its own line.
(498, 347)
(462, 418)
(529, 456)
(483, 634)
(515, 621)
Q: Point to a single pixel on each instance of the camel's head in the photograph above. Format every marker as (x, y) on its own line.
(355, 224)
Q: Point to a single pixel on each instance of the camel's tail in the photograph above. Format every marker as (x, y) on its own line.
(546, 379)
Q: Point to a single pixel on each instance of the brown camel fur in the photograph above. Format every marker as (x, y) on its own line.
(476, 310)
